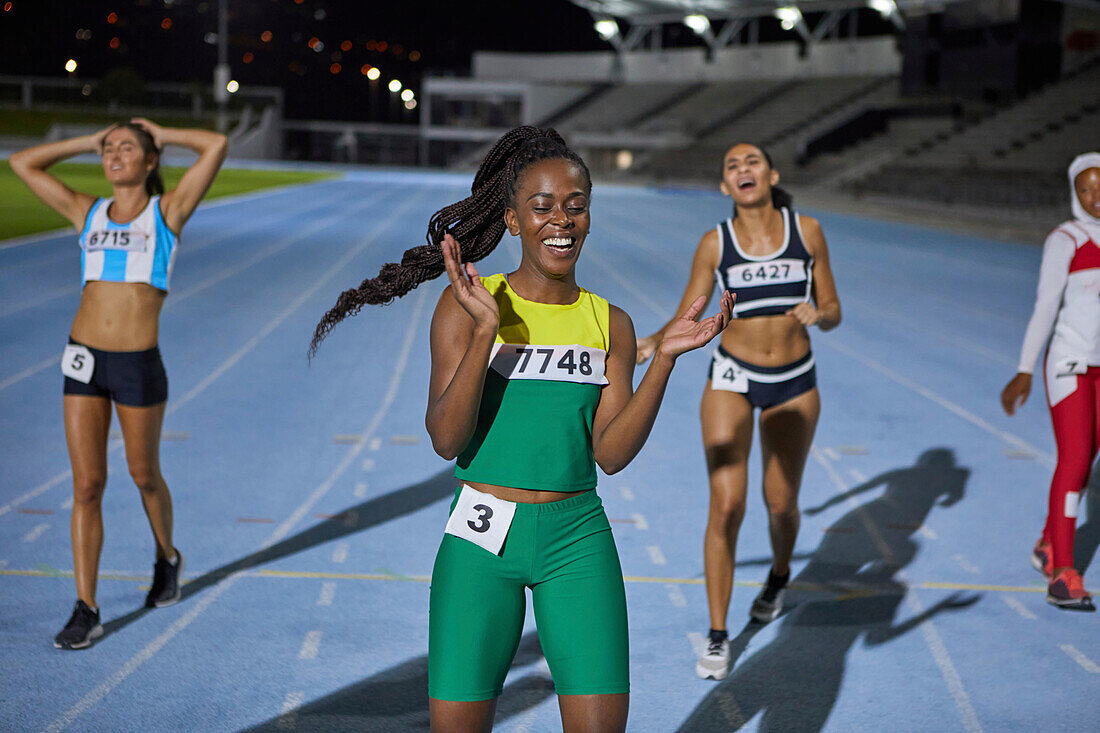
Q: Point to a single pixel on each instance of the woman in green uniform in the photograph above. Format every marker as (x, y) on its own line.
(531, 387)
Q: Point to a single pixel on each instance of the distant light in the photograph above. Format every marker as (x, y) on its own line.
(86, 90)
(371, 45)
(319, 14)
(365, 69)
(82, 34)
(407, 95)
(7, 7)
(319, 46)
(210, 38)
(166, 23)
(266, 36)
(248, 57)
(112, 18)
(313, 41)
(885, 8)
(70, 65)
(373, 73)
(697, 22)
(414, 55)
(232, 86)
(115, 42)
(607, 28)
(298, 2)
(624, 158)
(382, 45)
(335, 68)
(345, 46)
(789, 16)
(410, 104)
(398, 49)
(395, 85)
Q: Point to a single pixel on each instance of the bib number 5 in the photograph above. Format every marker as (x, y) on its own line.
(481, 518)
(78, 363)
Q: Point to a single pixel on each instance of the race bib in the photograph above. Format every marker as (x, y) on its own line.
(1070, 366)
(481, 518)
(125, 240)
(773, 272)
(577, 364)
(728, 375)
(78, 363)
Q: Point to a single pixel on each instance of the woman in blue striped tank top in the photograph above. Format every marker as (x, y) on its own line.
(128, 244)
(776, 264)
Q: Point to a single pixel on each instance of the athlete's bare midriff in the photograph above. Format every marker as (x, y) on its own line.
(766, 340)
(117, 316)
(523, 496)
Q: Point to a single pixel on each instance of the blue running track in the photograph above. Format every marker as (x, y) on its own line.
(309, 503)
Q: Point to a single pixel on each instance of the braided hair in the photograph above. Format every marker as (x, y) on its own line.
(477, 222)
(781, 198)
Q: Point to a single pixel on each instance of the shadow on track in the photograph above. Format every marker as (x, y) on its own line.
(396, 699)
(794, 681)
(370, 513)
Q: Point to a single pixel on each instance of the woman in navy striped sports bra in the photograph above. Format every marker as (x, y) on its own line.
(776, 264)
(128, 244)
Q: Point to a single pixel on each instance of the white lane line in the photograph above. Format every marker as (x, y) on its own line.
(35, 533)
(32, 369)
(280, 532)
(288, 719)
(360, 490)
(639, 521)
(1018, 607)
(368, 464)
(833, 455)
(857, 475)
(932, 638)
(328, 592)
(310, 645)
(627, 493)
(1045, 458)
(375, 443)
(656, 555)
(340, 554)
(67, 504)
(965, 564)
(1078, 656)
(676, 596)
(627, 284)
(927, 531)
(698, 644)
(42, 297)
(967, 715)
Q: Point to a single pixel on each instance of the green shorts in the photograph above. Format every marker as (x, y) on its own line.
(564, 552)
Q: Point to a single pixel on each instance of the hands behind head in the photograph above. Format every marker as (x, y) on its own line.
(152, 128)
(99, 136)
(685, 333)
(467, 288)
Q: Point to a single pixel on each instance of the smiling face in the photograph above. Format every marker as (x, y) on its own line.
(1087, 187)
(746, 176)
(125, 162)
(550, 215)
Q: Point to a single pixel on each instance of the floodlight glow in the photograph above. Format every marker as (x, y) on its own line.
(885, 8)
(232, 86)
(395, 86)
(789, 16)
(698, 23)
(373, 73)
(70, 65)
(624, 159)
(607, 28)
(407, 95)
(410, 104)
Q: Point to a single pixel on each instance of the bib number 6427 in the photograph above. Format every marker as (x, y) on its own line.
(481, 518)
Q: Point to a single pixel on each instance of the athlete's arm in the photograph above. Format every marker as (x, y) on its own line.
(700, 283)
(825, 313)
(1058, 252)
(31, 165)
(179, 204)
(464, 328)
(624, 417)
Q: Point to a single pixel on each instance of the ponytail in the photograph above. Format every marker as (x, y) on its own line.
(477, 222)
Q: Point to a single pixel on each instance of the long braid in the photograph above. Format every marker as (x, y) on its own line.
(477, 222)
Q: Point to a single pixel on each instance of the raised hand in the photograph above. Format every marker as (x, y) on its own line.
(806, 314)
(685, 333)
(467, 286)
(646, 347)
(1015, 392)
(99, 136)
(153, 129)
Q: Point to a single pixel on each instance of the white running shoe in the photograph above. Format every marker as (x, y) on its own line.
(769, 602)
(714, 664)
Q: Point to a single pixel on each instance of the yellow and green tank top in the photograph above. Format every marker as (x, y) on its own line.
(534, 426)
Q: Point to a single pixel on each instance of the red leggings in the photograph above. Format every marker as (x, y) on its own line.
(1076, 421)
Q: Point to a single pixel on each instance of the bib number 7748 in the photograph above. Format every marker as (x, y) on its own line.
(481, 518)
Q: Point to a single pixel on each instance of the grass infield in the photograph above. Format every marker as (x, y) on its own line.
(22, 213)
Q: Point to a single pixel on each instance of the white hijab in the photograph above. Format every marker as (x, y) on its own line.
(1088, 221)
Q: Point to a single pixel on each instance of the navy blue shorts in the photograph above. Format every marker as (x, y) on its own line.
(763, 387)
(132, 378)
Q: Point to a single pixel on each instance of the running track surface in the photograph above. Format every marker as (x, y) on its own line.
(309, 503)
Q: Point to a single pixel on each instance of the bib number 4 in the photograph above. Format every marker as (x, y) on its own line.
(481, 518)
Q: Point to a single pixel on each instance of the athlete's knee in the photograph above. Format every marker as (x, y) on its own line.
(727, 512)
(146, 478)
(784, 510)
(88, 488)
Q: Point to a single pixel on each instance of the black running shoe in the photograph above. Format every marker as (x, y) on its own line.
(769, 602)
(82, 629)
(166, 583)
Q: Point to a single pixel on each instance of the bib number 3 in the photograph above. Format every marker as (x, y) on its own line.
(78, 363)
(481, 518)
